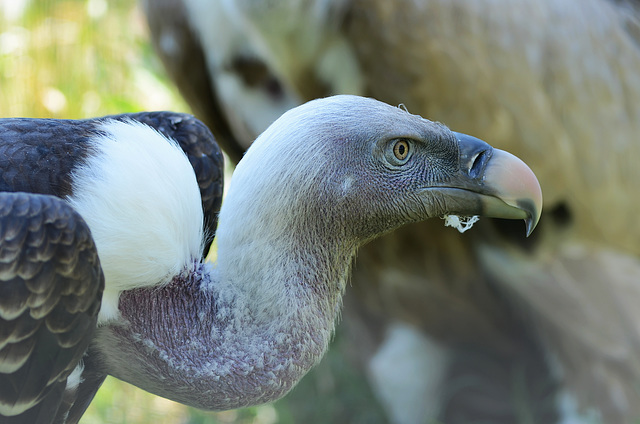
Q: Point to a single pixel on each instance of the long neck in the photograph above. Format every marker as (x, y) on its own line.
(239, 334)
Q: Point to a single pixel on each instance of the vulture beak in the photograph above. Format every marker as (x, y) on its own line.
(516, 189)
(496, 183)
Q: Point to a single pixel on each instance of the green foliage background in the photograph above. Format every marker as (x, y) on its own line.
(77, 59)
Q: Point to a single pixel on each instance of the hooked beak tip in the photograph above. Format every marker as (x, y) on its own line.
(516, 185)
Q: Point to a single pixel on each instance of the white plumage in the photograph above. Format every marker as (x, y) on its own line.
(136, 181)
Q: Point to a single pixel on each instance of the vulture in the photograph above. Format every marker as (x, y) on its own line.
(103, 225)
(489, 326)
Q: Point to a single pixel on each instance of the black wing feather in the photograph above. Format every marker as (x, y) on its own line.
(50, 278)
(92, 379)
(51, 286)
(38, 155)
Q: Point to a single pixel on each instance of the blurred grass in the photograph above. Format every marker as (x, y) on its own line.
(77, 59)
(84, 58)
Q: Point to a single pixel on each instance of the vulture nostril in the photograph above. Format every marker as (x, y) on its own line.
(478, 163)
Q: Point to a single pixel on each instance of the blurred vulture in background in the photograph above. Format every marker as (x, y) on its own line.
(489, 327)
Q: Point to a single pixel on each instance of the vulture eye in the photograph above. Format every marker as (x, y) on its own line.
(401, 149)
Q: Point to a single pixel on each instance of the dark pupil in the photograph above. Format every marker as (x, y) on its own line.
(401, 149)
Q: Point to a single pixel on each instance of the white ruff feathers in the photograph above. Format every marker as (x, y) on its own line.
(138, 193)
(460, 223)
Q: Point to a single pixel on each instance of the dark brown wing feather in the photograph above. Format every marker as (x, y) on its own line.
(51, 286)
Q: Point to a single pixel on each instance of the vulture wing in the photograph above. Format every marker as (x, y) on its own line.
(50, 291)
(51, 282)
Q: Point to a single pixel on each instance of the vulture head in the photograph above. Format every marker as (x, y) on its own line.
(353, 168)
(322, 180)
